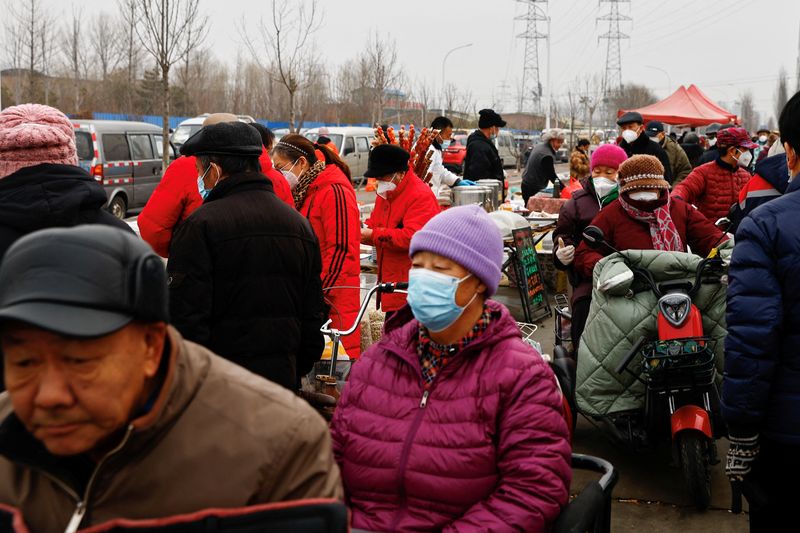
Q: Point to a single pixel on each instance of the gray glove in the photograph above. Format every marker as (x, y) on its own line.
(742, 453)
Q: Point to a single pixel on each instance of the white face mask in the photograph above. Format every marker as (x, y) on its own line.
(745, 159)
(644, 196)
(630, 136)
(384, 187)
(762, 139)
(290, 176)
(603, 186)
(712, 142)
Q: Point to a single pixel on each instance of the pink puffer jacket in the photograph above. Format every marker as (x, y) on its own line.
(485, 450)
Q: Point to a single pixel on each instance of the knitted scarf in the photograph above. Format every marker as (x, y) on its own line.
(304, 181)
(662, 229)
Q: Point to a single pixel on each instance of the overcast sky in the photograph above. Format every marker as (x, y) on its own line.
(724, 46)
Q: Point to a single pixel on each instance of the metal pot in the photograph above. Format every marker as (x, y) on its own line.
(497, 189)
(481, 196)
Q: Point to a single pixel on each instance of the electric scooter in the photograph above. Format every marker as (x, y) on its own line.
(678, 371)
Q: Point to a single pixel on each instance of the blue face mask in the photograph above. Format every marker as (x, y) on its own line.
(432, 297)
(445, 145)
(201, 186)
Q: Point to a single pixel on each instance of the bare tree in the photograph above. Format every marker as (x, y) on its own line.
(48, 49)
(74, 54)
(106, 45)
(26, 24)
(781, 93)
(287, 41)
(129, 14)
(381, 60)
(14, 55)
(168, 30)
(748, 113)
(424, 94)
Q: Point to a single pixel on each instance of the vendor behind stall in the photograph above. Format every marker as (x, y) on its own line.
(404, 204)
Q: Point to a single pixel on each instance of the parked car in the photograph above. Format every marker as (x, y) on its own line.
(353, 143)
(125, 157)
(453, 156)
(190, 126)
(507, 148)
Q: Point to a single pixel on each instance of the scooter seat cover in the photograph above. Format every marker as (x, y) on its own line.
(615, 323)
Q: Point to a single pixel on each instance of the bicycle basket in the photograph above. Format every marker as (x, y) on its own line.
(679, 363)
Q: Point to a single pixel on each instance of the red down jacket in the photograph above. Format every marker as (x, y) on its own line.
(625, 233)
(713, 187)
(176, 197)
(331, 207)
(394, 221)
(488, 449)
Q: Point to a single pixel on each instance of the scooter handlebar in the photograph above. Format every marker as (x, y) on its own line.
(630, 355)
(391, 287)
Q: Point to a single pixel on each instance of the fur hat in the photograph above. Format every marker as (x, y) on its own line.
(641, 172)
(32, 134)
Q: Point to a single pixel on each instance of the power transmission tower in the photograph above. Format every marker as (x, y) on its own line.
(531, 94)
(613, 76)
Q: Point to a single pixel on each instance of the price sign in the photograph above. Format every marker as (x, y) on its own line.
(529, 275)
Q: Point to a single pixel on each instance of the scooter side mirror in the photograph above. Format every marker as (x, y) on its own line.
(594, 236)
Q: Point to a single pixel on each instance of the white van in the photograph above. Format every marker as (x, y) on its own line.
(190, 126)
(352, 143)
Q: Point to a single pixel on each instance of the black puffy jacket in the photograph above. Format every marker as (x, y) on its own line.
(50, 196)
(244, 280)
(644, 146)
(482, 160)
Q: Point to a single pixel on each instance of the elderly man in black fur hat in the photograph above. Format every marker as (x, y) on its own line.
(244, 269)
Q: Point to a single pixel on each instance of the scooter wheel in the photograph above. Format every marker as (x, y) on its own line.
(695, 466)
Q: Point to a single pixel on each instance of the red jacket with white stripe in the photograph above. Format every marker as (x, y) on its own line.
(331, 207)
(176, 197)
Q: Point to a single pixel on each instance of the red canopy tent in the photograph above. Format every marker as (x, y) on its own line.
(685, 107)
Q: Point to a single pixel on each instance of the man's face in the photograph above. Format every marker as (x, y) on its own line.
(446, 133)
(633, 126)
(73, 394)
(556, 144)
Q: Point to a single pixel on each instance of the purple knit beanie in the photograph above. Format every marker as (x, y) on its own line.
(31, 134)
(608, 155)
(467, 236)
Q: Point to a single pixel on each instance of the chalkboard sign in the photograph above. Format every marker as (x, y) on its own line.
(529, 275)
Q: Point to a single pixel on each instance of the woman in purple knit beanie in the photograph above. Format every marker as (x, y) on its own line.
(451, 422)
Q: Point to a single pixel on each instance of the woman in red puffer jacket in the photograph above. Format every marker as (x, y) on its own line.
(324, 194)
(451, 422)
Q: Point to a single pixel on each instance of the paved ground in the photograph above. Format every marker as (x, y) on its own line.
(649, 495)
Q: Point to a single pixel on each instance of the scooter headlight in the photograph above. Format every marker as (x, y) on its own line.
(675, 308)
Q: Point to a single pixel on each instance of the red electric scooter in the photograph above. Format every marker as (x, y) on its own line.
(678, 371)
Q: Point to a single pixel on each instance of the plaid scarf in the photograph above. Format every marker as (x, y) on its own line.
(433, 357)
(305, 180)
(663, 232)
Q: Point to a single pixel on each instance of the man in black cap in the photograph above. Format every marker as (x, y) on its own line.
(711, 152)
(483, 160)
(109, 413)
(635, 141)
(245, 267)
(404, 204)
(678, 160)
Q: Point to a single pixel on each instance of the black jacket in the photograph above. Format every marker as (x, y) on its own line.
(694, 152)
(50, 196)
(644, 146)
(708, 156)
(482, 160)
(244, 280)
(539, 171)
